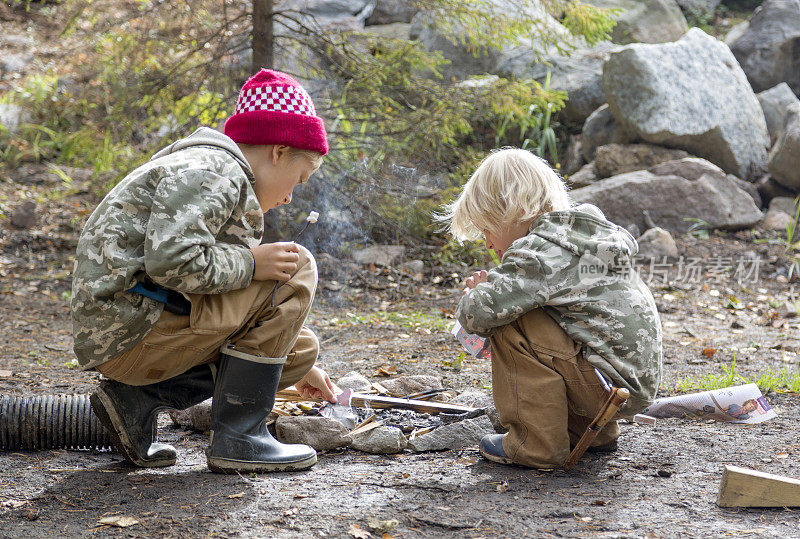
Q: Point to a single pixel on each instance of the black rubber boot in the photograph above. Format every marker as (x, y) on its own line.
(129, 413)
(243, 398)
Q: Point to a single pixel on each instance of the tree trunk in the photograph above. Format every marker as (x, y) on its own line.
(262, 35)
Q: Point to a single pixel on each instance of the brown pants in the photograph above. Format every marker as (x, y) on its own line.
(546, 393)
(242, 317)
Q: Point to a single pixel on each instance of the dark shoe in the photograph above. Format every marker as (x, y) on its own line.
(492, 448)
(608, 447)
(129, 413)
(243, 398)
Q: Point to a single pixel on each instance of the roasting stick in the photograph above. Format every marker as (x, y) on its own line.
(312, 218)
(612, 405)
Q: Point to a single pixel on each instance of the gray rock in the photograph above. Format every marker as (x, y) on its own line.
(494, 417)
(381, 440)
(645, 21)
(325, 11)
(768, 189)
(320, 433)
(600, 129)
(735, 33)
(768, 51)
(692, 95)
(24, 215)
(784, 204)
(670, 200)
(413, 266)
(463, 63)
(355, 381)
(391, 11)
(380, 255)
(397, 30)
(458, 435)
(580, 75)
(775, 220)
(614, 159)
(690, 168)
(784, 158)
(15, 62)
(200, 415)
(698, 7)
(406, 385)
(775, 103)
(586, 176)
(573, 157)
(749, 188)
(657, 243)
(11, 116)
(474, 399)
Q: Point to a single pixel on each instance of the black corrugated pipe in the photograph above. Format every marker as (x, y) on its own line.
(50, 422)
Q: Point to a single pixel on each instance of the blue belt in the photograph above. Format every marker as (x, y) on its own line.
(173, 301)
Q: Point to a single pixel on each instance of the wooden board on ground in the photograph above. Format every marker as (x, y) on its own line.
(741, 487)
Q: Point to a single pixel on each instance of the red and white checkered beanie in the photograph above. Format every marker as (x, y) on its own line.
(274, 109)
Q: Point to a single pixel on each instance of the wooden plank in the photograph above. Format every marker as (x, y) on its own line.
(741, 487)
(378, 401)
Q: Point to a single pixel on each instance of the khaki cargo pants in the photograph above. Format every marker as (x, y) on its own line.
(242, 317)
(545, 392)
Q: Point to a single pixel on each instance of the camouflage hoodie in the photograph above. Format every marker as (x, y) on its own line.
(578, 266)
(187, 219)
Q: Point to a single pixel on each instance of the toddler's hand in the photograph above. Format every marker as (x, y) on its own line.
(316, 384)
(477, 278)
(275, 261)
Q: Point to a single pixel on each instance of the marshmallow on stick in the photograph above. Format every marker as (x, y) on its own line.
(312, 217)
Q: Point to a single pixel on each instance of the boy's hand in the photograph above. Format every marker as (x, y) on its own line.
(275, 261)
(316, 384)
(477, 278)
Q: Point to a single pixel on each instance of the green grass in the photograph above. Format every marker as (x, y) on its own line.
(784, 381)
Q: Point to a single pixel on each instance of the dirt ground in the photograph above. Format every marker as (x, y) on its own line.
(662, 482)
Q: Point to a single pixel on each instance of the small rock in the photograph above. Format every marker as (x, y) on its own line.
(775, 220)
(413, 266)
(613, 159)
(355, 381)
(320, 433)
(587, 175)
(657, 243)
(474, 399)
(406, 385)
(197, 417)
(664, 473)
(458, 435)
(382, 440)
(573, 159)
(380, 255)
(787, 310)
(24, 215)
(775, 102)
(494, 417)
(783, 204)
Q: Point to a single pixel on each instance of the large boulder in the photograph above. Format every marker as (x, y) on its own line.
(327, 11)
(698, 7)
(580, 75)
(467, 59)
(775, 103)
(391, 11)
(645, 21)
(735, 33)
(690, 94)
(784, 159)
(600, 129)
(671, 201)
(769, 51)
(614, 159)
(692, 168)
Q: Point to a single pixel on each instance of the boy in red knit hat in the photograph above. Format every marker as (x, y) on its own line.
(175, 299)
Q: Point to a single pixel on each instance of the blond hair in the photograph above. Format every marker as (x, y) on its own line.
(315, 158)
(510, 186)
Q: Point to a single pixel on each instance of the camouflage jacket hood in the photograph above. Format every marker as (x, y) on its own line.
(579, 267)
(187, 219)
